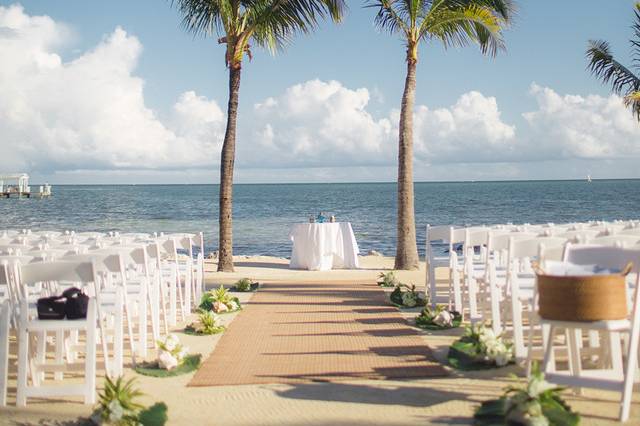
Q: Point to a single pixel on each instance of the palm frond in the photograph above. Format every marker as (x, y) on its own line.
(393, 15)
(632, 100)
(203, 17)
(273, 23)
(456, 26)
(505, 9)
(635, 42)
(609, 71)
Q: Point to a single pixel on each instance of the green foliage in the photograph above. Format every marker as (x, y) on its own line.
(207, 324)
(407, 298)
(189, 364)
(387, 279)
(116, 403)
(537, 403)
(268, 23)
(156, 415)
(245, 285)
(453, 22)
(222, 296)
(623, 81)
(438, 319)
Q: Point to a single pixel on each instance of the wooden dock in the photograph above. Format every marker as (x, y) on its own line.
(15, 194)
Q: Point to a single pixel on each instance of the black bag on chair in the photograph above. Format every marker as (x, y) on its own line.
(51, 308)
(77, 303)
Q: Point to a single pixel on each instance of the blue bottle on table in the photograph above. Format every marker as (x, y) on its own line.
(321, 218)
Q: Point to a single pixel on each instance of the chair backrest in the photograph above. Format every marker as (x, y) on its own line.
(581, 235)
(439, 233)
(61, 270)
(616, 240)
(538, 247)
(630, 231)
(603, 256)
(103, 263)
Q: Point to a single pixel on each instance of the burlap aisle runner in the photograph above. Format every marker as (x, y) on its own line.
(293, 333)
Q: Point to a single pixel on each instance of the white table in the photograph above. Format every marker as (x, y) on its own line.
(323, 246)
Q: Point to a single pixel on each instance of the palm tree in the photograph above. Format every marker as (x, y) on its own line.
(623, 81)
(268, 23)
(454, 23)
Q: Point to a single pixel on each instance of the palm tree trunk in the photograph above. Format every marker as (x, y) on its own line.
(225, 247)
(407, 250)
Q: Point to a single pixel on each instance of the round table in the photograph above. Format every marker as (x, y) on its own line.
(323, 246)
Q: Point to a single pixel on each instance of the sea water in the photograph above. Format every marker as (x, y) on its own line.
(263, 214)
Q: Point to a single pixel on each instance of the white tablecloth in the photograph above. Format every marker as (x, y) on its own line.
(323, 246)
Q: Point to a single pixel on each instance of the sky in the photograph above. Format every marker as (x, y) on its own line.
(118, 92)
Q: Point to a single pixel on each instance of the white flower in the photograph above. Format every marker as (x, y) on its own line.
(233, 305)
(443, 319)
(408, 299)
(220, 307)
(538, 386)
(166, 360)
(171, 342)
(487, 335)
(184, 351)
(115, 411)
(502, 359)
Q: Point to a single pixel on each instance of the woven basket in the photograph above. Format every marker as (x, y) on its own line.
(583, 298)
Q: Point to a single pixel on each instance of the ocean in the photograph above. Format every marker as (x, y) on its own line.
(263, 214)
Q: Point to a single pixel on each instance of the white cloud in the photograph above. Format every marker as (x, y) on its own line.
(591, 127)
(69, 118)
(90, 113)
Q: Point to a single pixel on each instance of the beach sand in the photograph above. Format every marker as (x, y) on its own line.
(448, 400)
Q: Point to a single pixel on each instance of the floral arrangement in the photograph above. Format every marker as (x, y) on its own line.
(387, 279)
(245, 285)
(439, 318)
(480, 348)
(407, 298)
(219, 301)
(116, 404)
(538, 403)
(171, 353)
(208, 323)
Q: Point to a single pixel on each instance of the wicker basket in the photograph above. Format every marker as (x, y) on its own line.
(583, 298)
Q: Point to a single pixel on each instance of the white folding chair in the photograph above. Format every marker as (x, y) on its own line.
(443, 234)
(75, 272)
(617, 377)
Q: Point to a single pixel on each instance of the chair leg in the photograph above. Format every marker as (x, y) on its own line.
(5, 318)
(173, 311)
(118, 344)
(574, 355)
(23, 360)
(549, 362)
(616, 353)
(629, 376)
(59, 375)
(90, 355)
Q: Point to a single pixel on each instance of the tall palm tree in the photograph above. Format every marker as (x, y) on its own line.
(268, 23)
(623, 81)
(453, 23)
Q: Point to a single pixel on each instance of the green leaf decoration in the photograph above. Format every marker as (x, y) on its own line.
(245, 285)
(536, 403)
(156, 415)
(190, 363)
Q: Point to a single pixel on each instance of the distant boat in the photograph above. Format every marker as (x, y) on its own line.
(589, 178)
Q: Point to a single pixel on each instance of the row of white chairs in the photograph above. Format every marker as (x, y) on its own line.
(133, 280)
(491, 279)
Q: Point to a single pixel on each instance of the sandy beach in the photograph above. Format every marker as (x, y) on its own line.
(443, 400)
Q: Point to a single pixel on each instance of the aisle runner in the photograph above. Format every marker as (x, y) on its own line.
(317, 332)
